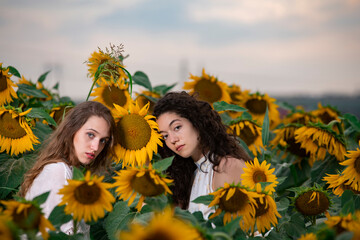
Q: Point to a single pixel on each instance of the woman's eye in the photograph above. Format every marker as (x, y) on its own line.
(165, 137)
(103, 141)
(177, 127)
(91, 135)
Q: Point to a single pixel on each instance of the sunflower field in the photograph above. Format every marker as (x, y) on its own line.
(304, 182)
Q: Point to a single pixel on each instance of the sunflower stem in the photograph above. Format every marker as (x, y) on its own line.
(92, 86)
(221, 235)
(130, 78)
(75, 227)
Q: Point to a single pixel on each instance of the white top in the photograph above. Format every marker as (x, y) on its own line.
(202, 185)
(52, 178)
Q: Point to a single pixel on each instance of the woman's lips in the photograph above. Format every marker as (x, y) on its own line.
(90, 155)
(179, 148)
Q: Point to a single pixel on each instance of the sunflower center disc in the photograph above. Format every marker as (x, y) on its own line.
(113, 95)
(3, 82)
(87, 194)
(261, 208)
(259, 176)
(158, 235)
(256, 106)
(10, 127)
(314, 207)
(237, 202)
(145, 186)
(247, 135)
(295, 148)
(133, 131)
(357, 164)
(208, 91)
(28, 218)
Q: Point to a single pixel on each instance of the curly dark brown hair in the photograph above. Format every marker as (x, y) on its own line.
(215, 142)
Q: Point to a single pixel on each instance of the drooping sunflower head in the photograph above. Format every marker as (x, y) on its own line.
(27, 216)
(110, 63)
(137, 134)
(7, 228)
(16, 136)
(144, 181)
(285, 140)
(257, 173)
(352, 171)
(163, 226)
(87, 198)
(311, 201)
(142, 99)
(257, 103)
(317, 139)
(300, 117)
(326, 113)
(339, 183)
(7, 92)
(341, 223)
(110, 93)
(234, 200)
(209, 88)
(249, 132)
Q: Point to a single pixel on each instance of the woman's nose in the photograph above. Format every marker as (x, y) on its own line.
(95, 145)
(174, 138)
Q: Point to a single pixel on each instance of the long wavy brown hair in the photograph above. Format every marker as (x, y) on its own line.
(214, 140)
(59, 146)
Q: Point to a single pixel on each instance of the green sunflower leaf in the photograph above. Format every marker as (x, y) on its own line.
(162, 165)
(353, 121)
(347, 202)
(14, 71)
(162, 89)
(58, 216)
(42, 78)
(265, 128)
(78, 173)
(41, 113)
(118, 219)
(30, 91)
(41, 198)
(224, 106)
(140, 78)
(206, 199)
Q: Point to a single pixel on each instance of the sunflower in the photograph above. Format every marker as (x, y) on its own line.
(162, 226)
(110, 93)
(339, 184)
(285, 140)
(255, 173)
(352, 170)
(342, 224)
(7, 231)
(326, 114)
(317, 138)
(88, 198)
(265, 212)
(143, 100)
(111, 66)
(311, 201)
(300, 117)
(137, 134)
(23, 80)
(27, 216)
(307, 236)
(235, 201)
(6, 87)
(143, 181)
(209, 88)
(257, 103)
(58, 112)
(15, 132)
(235, 96)
(249, 132)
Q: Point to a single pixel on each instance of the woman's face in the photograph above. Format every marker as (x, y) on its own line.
(180, 135)
(91, 139)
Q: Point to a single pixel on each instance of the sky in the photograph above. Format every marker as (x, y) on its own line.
(278, 47)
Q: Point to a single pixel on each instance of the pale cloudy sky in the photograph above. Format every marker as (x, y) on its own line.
(280, 47)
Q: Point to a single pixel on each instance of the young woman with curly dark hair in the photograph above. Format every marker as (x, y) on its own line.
(206, 156)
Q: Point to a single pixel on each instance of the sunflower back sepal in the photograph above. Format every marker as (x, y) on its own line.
(224, 106)
(163, 164)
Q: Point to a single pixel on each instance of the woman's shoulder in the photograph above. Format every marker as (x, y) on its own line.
(58, 167)
(231, 163)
